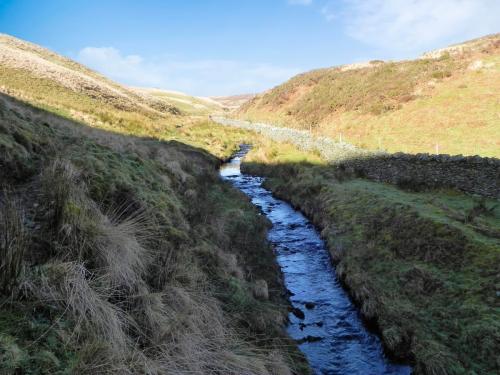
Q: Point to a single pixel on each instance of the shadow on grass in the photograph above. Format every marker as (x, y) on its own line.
(136, 256)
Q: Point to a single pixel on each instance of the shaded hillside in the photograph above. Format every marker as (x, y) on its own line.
(445, 102)
(121, 251)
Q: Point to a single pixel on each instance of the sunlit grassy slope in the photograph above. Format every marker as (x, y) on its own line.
(445, 102)
(188, 104)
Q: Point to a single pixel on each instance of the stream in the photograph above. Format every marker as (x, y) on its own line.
(324, 322)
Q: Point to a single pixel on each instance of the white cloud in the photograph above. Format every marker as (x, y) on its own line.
(110, 61)
(199, 77)
(410, 25)
(300, 2)
(329, 12)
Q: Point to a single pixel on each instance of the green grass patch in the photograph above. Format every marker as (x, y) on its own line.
(33, 344)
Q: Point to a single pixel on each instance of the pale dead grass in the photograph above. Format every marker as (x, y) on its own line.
(76, 290)
(120, 252)
(122, 325)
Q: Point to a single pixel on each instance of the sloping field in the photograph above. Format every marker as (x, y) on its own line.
(445, 102)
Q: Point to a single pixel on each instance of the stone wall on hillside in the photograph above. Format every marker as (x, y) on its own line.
(469, 174)
(327, 147)
(472, 174)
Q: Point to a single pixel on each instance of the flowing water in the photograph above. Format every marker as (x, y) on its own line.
(324, 322)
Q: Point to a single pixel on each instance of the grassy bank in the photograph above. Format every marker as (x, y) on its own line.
(124, 254)
(423, 266)
(121, 251)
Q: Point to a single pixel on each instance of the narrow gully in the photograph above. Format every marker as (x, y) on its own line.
(324, 321)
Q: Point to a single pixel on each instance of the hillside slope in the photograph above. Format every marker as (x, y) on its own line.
(445, 102)
(59, 85)
(121, 251)
(234, 101)
(45, 65)
(192, 105)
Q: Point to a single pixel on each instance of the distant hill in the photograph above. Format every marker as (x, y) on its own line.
(234, 101)
(21, 61)
(193, 105)
(446, 101)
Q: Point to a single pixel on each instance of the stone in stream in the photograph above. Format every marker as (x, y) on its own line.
(298, 312)
(309, 339)
(303, 325)
(310, 305)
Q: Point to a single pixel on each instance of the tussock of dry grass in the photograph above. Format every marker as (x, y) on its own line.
(79, 293)
(119, 249)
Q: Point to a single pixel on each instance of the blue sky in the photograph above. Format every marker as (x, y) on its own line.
(223, 47)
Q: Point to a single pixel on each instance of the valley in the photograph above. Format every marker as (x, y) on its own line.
(140, 234)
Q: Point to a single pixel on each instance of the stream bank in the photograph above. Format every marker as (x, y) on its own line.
(323, 321)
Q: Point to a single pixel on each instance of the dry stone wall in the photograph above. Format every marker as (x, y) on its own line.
(470, 174)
